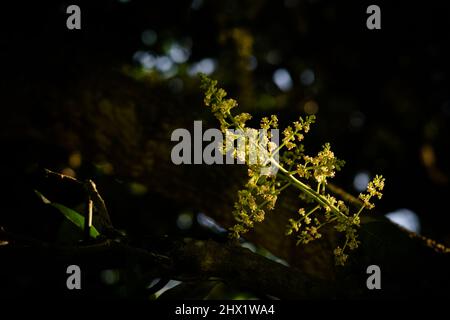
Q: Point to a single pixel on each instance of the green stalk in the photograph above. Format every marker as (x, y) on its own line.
(307, 189)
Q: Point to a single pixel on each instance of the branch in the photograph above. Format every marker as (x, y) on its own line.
(185, 259)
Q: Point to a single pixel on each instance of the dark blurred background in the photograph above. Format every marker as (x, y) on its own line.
(381, 96)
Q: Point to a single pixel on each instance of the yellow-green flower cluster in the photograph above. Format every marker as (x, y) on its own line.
(309, 174)
(267, 124)
(374, 189)
(294, 133)
(215, 99)
(260, 194)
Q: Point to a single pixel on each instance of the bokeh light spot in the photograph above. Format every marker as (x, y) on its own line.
(311, 107)
(178, 53)
(206, 66)
(149, 37)
(282, 79)
(361, 181)
(110, 276)
(184, 221)
(405, 218)
(307, 77)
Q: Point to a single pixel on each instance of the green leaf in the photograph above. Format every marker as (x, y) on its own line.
(193, 290)
(71, 215)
